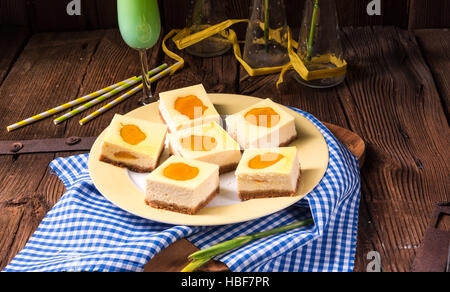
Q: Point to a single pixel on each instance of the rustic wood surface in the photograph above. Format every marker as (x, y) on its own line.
(50, 15)
(434, 45)
(395, 97)
(428, 14)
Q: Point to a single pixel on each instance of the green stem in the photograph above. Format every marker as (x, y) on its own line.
(221, 248)
(266, 25)
(198, 14)
(282, 229)
(312, 31)
(199, 258)
(194, 265)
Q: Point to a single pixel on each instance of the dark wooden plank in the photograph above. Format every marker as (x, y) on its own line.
(354, 13)
(173, 14)
(51, 15)
(22, 208)
(22, 213)
(429, 14)
(391, 102)
(15, 213)
(13, 41)
(14, 12)
(435, 45)
(105, 14)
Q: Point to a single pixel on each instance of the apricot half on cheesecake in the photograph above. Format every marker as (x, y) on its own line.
(187, 107)
(268, 173)
(208, 143)
(182, 185)
(263, 125)
(133, 143)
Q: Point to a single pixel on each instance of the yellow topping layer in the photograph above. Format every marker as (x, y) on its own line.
(263, 117)
(265, 160)
(124, 155)
(181, 171)
(190, 106)
(199, 143)
(132, 134)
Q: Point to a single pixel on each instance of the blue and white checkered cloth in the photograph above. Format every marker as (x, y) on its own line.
(85, 232)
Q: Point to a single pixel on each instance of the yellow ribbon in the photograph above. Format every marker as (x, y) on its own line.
(183, 39)
(251, 71)
(299, 66)
(172, 54)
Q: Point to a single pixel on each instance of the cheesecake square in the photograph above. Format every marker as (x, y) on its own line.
(182, 185)
(268, 173)
(187, 107)
(263, 125)
(208, 143)
(133, 143)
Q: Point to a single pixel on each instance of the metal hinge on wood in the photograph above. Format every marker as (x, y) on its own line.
(46, 145)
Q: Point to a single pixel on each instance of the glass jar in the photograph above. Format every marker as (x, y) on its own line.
(267, 38)
(319, 41)
(202, 14)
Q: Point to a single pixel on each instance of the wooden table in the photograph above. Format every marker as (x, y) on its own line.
(396, 97)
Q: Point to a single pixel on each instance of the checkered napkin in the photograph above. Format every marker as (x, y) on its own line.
(85, 232)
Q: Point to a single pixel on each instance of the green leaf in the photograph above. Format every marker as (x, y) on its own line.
(194, 265)
(201, 257)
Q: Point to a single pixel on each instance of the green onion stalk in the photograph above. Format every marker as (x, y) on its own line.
(312, 31)
(201, 257)
(199, 14)
(266, 24)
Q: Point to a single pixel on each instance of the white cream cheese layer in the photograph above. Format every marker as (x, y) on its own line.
(225, 152)
(250, 136)
(281, 176)
(188, 193)
(176, 120)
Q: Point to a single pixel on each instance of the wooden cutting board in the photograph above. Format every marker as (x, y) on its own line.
(174, 257)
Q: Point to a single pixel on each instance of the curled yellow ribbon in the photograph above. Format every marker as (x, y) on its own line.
(172, 54)
(183, 39)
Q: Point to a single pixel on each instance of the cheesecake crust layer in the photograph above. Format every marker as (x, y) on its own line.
(288, 142)
(268, 194)
(228, 168)
(183, 209)
(222, 169)
(125, 165)
(284, 144)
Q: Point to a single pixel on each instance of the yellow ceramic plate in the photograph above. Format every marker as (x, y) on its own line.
(125, 189)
